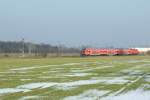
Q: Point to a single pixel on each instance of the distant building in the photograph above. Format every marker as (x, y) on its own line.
(143, 50)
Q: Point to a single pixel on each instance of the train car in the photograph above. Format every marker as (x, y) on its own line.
(108, 52)
(131, 52)
(104, 52)
(94, 52)
(85, 52)
(115, 52)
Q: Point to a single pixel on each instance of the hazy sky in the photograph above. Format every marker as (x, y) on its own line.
(76, 22)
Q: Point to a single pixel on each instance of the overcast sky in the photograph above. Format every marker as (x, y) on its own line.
(76, 22)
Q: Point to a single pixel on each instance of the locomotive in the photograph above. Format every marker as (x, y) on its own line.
(108, 52)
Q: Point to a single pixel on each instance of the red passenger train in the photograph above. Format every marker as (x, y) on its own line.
(108, 52)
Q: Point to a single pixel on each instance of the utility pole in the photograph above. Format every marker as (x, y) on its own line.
(23, 51)
(58, 49)
(29, 48)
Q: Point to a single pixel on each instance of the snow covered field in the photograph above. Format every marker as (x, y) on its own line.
(78, 79)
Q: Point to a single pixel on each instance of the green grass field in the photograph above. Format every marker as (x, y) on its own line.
(91, 78)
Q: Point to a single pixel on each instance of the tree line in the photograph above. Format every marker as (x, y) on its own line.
(33, 48)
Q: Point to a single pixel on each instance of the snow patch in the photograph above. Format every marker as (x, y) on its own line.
(78, 74)
(36, 85)
(88, 95)
(71, 64)
(130, 61)
(113, 80)
(138, 94)
(30, 97)
(70, 85)
(133, 72)
(12, 90)
(91, 68)
(62, 86)
(35, 67)
(146, 86)
(147, 78)
(25, 79)
(29, 68)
